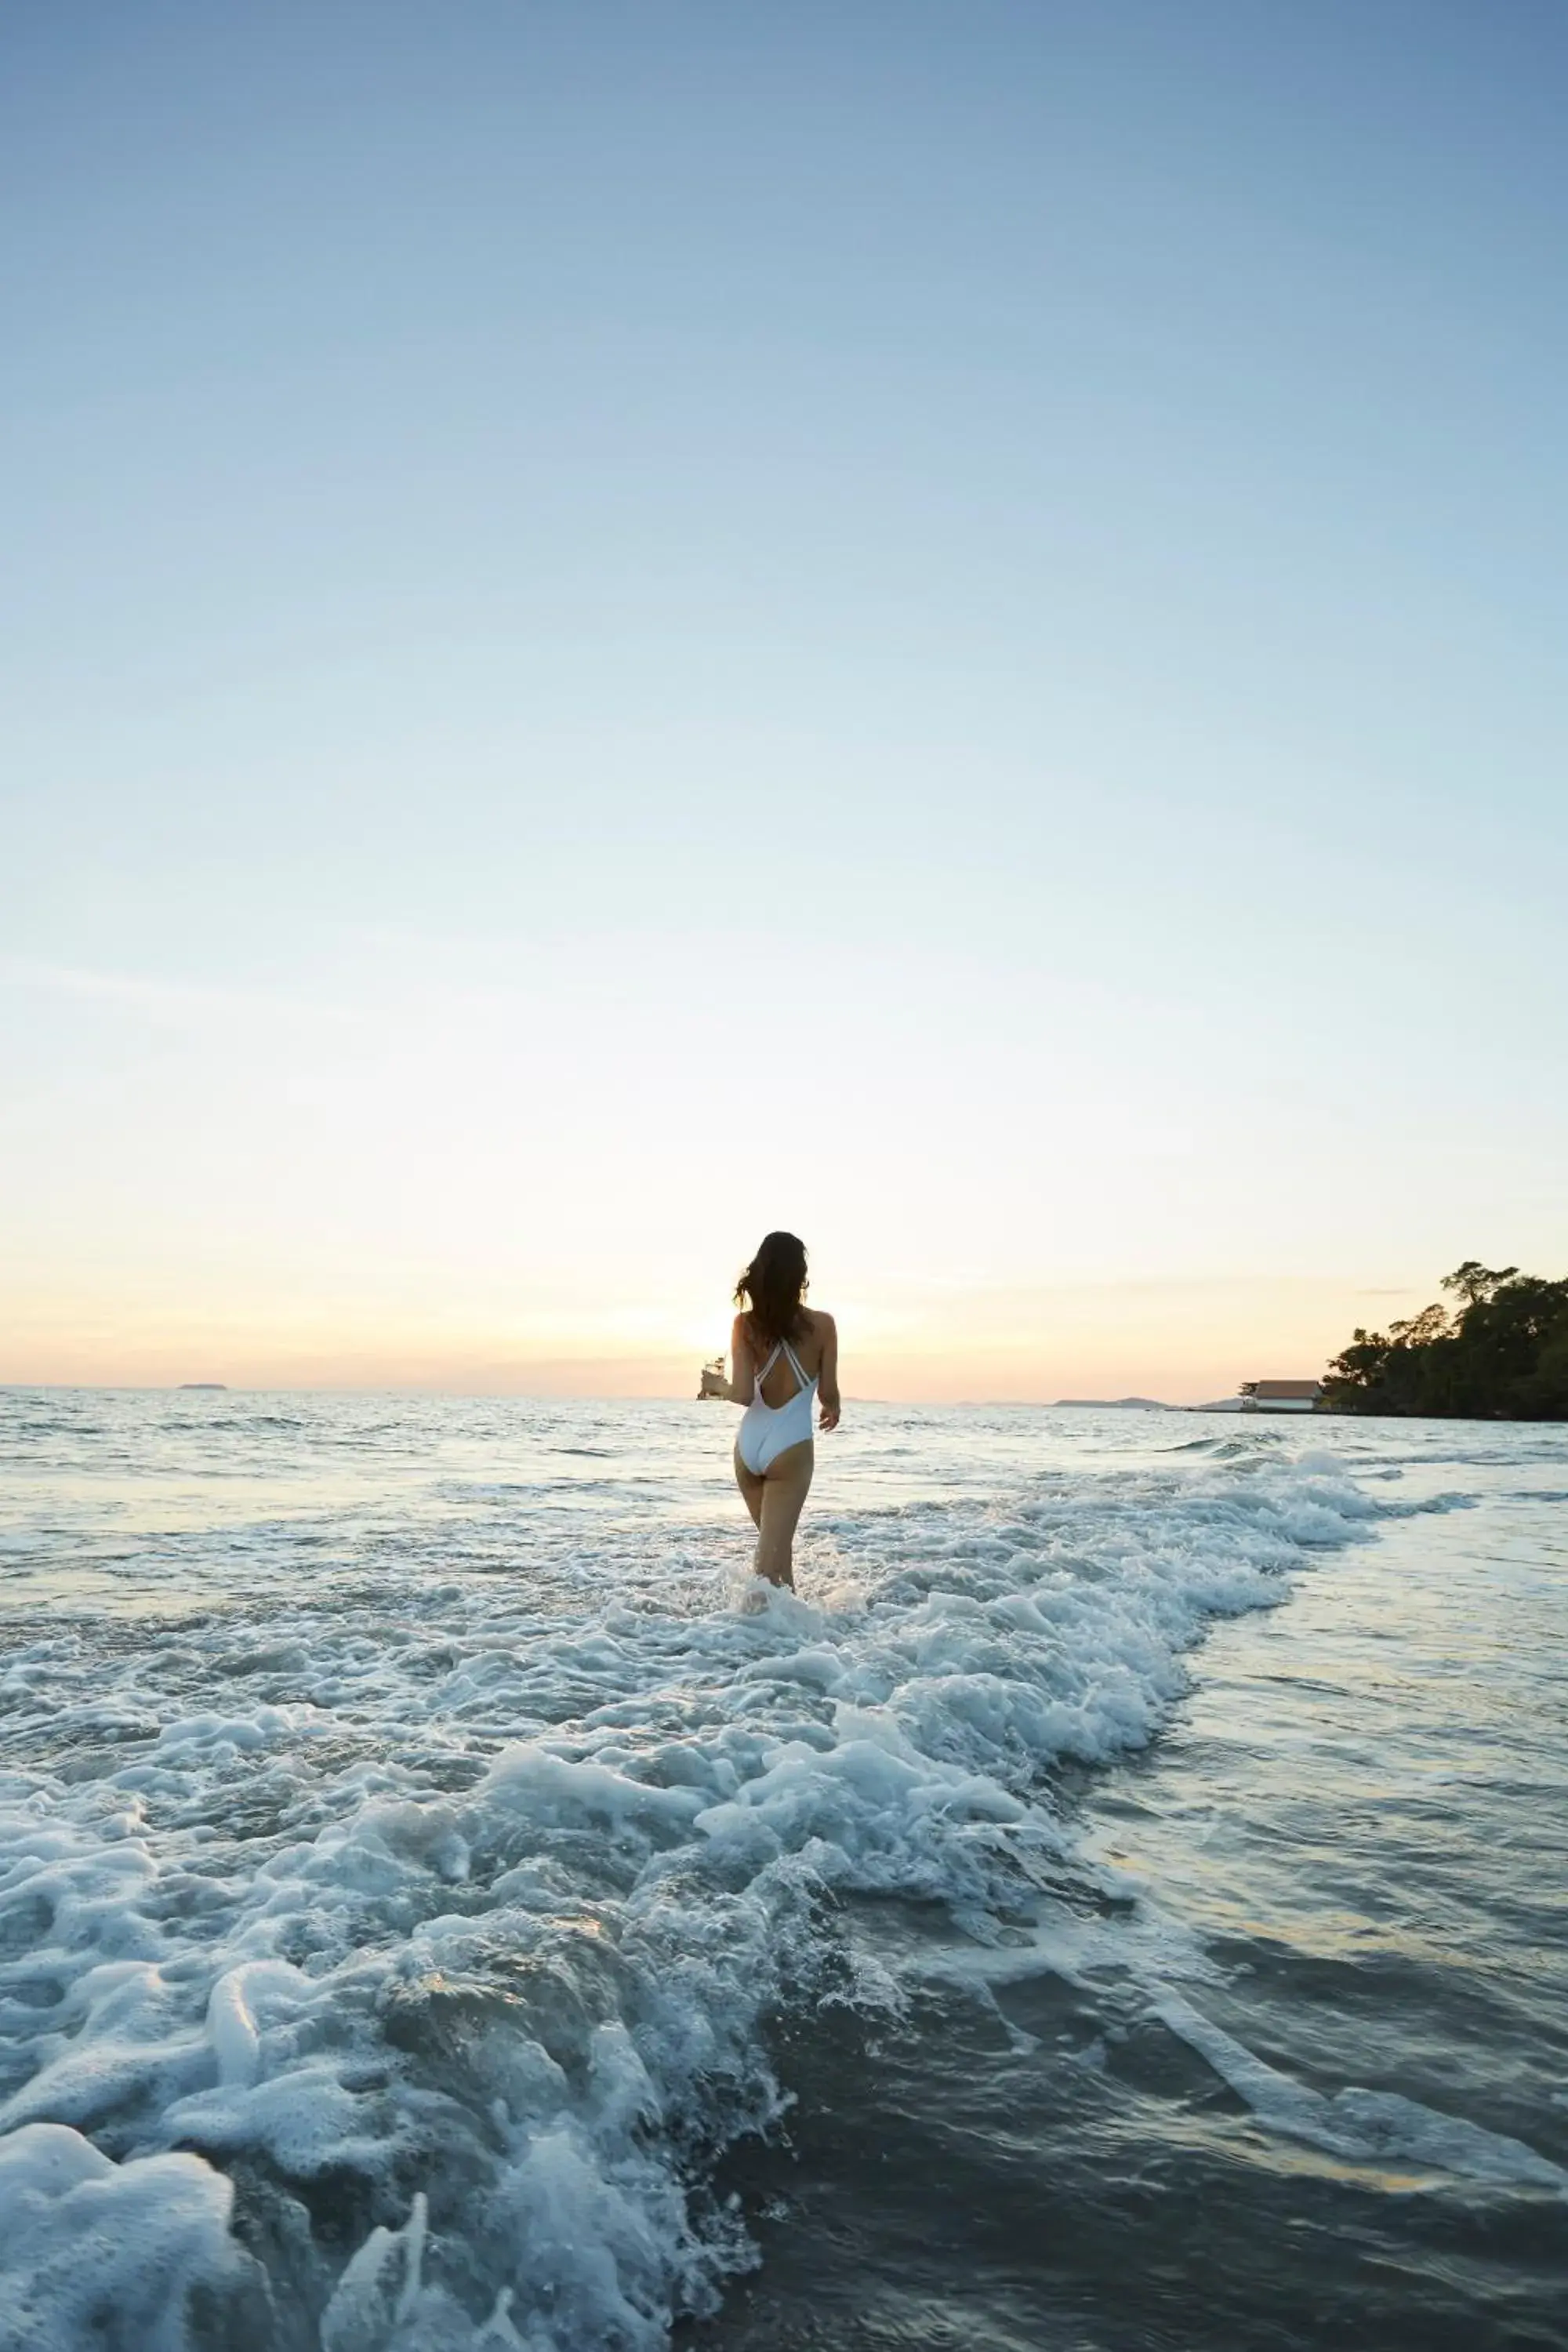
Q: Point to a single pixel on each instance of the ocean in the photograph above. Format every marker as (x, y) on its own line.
(1121, 1902)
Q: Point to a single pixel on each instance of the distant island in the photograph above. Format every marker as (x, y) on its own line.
(1116, 1404)
(1500, 1353)
(211, 1388)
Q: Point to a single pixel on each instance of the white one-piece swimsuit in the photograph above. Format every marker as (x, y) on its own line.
(766, 1430)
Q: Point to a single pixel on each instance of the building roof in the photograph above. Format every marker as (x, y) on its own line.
(1282, 1388)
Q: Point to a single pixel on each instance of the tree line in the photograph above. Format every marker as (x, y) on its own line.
(1499, 1352)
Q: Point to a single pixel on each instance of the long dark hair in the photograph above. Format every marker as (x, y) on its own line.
(775, 1282)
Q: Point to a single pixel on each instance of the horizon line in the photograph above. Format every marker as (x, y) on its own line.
(560, 1396)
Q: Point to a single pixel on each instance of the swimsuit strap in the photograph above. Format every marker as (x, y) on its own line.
(781, 1348)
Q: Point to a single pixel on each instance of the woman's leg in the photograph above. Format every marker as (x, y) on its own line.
(751, 1486)
(784, 1497)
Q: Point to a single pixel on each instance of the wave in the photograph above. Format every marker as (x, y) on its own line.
(408, 1997)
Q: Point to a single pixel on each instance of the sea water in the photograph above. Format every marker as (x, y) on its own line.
(1117, 1901)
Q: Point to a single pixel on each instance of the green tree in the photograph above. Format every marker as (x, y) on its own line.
(1475, 1283)
(1502, 1354)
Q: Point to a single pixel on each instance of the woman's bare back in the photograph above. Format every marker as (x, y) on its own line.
(809, 1339)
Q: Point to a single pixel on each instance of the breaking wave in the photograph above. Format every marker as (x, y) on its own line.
(389, 1963)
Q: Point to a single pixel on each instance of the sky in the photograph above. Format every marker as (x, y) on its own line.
(938, 625)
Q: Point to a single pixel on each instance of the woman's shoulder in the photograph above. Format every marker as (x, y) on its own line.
(818, 1322)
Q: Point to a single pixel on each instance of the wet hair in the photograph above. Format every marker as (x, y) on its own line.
(775, 1282)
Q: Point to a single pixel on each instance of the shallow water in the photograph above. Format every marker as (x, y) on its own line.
(1119, 1902)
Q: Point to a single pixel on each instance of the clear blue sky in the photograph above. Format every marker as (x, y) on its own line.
(941, 624)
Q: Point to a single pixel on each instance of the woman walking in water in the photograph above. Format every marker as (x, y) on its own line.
(781, 1354)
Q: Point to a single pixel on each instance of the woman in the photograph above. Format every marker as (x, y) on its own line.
(781, 1354)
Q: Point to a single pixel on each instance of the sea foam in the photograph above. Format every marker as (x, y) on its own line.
(392, 1977)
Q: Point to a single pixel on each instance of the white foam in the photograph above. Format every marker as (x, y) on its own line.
(487, 1900)
(111, 2254)
(1374, 2127)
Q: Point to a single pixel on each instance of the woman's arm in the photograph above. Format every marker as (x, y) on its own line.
(743, 1366)
(828, 1379)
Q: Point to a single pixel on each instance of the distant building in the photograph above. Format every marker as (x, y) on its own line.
(1279, 1396)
